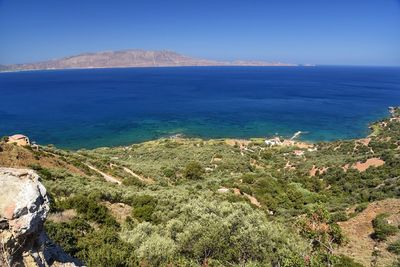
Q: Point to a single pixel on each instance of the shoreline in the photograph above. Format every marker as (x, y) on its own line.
(228, 140)
(154, 67)
(392, 114)
(297, 136)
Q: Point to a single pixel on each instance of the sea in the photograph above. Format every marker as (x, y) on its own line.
(89, 108)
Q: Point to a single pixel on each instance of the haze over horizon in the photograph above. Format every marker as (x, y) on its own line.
(311, 32)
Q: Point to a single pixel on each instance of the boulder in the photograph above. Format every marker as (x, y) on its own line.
(24, 205)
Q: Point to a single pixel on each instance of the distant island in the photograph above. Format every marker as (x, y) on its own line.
(131, 58)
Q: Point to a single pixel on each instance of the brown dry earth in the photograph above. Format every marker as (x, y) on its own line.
(372, 162)
(19, 157)
(360, 166)
(119, 211)
(359, 228)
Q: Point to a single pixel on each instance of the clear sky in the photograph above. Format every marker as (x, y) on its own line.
(339, 32)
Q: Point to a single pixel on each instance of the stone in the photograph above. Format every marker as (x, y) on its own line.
(24, 206)
(223, 190)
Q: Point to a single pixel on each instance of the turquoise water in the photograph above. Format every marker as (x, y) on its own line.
(109, 107)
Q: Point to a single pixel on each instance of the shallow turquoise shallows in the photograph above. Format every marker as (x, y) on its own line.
(109, 107)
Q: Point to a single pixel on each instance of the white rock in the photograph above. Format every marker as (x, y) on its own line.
(24, 205)
(223, 190)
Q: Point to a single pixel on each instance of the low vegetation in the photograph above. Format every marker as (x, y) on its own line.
(382, 228)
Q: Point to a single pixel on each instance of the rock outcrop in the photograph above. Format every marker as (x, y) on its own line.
(24, 205)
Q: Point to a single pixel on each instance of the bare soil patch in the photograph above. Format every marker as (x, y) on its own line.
(372, 162)
(20, 157)
(314, 170)
(120, 211)
(359, 228)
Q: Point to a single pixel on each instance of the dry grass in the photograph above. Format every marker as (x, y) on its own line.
(20, 157)
(63, 216)
(119, 211)
(359, 228)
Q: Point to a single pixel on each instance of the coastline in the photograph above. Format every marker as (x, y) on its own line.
(286, 141)
(161, 66)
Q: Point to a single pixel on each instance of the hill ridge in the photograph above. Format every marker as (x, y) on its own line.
(131, 58)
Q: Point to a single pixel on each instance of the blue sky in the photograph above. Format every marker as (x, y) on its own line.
(337, 32)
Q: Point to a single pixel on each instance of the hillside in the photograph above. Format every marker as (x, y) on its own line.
(193, 202)
(130, 58)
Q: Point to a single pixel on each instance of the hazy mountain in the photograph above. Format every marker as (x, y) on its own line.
(130, 58)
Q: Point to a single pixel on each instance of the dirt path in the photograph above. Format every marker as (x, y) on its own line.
(106, 176)
(253, 200)
(140, 177)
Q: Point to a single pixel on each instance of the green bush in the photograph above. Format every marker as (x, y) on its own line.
(395, 247)
(339, 216)
(169, 172)
(193, 171)
(382, 229)
(212, 231)
(129, 181)
(344, 261)
(90, 209)
(105, 248)
(361, 207)
(248, 178)
(143, 207)
(67, 234)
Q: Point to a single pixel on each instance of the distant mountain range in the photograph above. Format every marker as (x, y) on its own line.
(131, 58)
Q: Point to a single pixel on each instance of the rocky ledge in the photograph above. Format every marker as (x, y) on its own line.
(24, 205)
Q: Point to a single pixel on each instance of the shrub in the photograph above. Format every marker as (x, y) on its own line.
(90, 209)
(193, 171)
(344, 261)
(143, 207)
(395, 247)
(361, 207)
(382, 229)
(43, 173)
(157, 250)
(339, 216)
(169, 172)
(323, 234)
(248, 178)
(211, 231)
(129, 181)
(104, 248)
(67, 234)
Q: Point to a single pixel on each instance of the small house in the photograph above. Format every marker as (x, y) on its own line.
(273, 142)
(19, 139)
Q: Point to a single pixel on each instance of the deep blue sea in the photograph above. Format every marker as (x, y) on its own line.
(109, 107)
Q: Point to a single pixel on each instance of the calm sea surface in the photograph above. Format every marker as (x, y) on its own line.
(108, 107)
